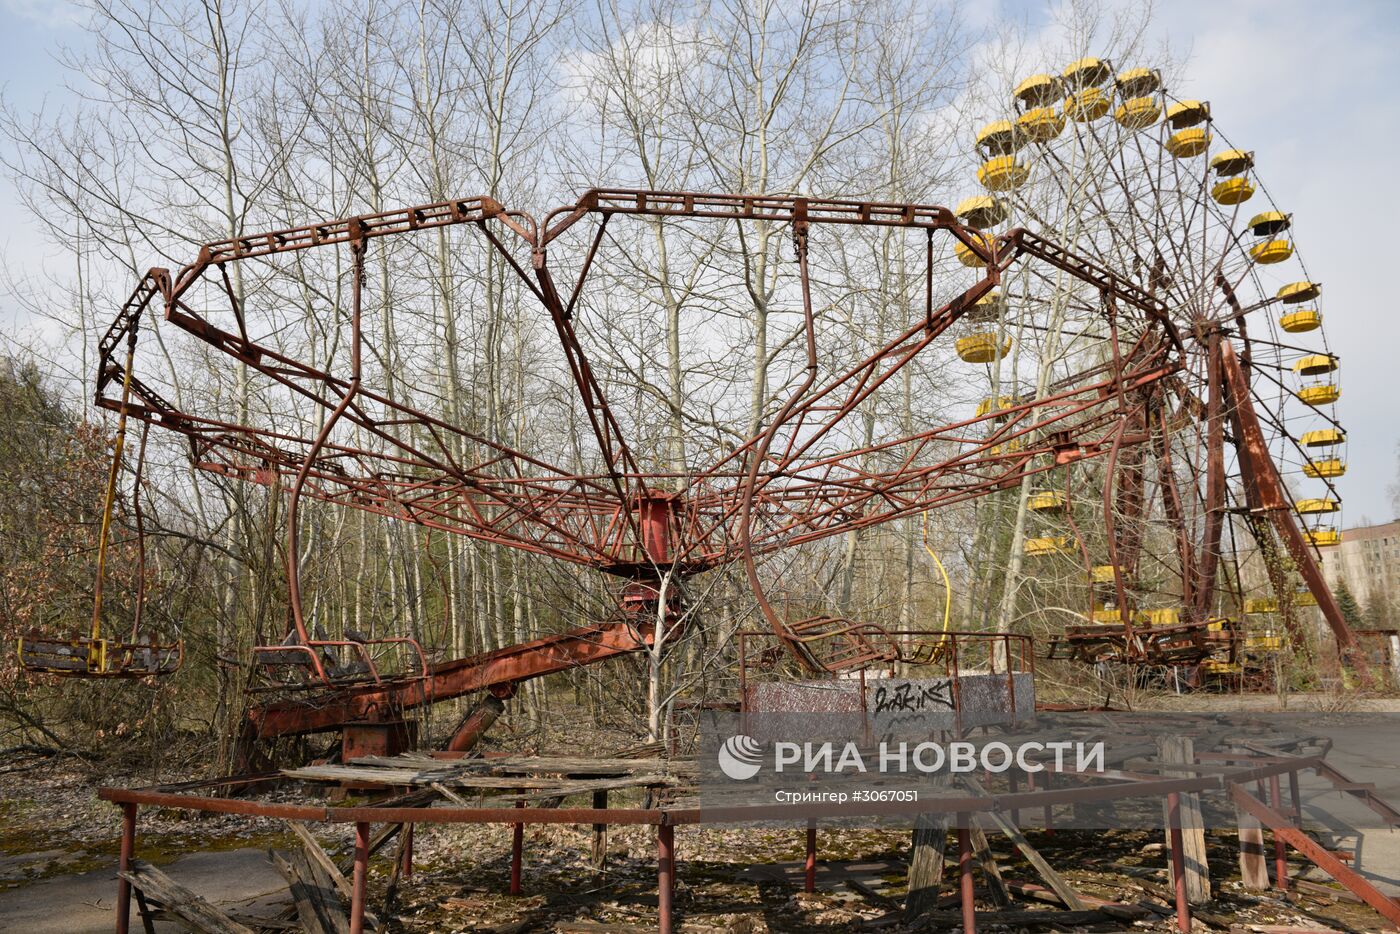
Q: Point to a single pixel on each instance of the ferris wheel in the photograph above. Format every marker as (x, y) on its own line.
(1108, 163)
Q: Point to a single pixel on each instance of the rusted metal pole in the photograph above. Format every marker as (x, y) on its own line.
(517, 852)
(665, 875)
(406, 857)
(1295, 797)
(1183, 908)
(810, 884)
(1280, 848)
(476, 723)
(128, 846)
(361, 874)
(966, 884)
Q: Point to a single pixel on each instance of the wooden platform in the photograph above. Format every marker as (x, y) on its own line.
(520, 778)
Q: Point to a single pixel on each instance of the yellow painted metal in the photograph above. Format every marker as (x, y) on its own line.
(1268, 223)
(1086, 105)
(1300, 321)
(1295, 292)
(1259, 605)
(1271, 251)
(1218, 666)
(1232, 161)
(1047, 545)
(987, 308)
(1321, 394)
(1325, 469)
(1265, 640)
(1002, 173)
(1323, 537)
(1187, 113)
(992, 405)
(982, 211)
(1047, 500)
(947, 587)
(1135, 82)
(999, 137)
(1304, 597)
(967, 256)
(89, 657)
(982, 347)
(1188, 143)
(1232, 191)
(1138, 113)
(1106, 616)
(1323, 437)
(1164, 616)
(1315, 364)
(1041, 124)
(1037, 90)
(1086, 72)
(1101, 574)
(1311, 507)
(1010, 447)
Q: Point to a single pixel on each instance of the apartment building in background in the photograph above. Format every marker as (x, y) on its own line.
(1368, 559)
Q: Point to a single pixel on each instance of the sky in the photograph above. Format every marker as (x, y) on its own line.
(1312, 88)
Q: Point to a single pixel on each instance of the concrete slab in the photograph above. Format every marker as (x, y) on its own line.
(236, 880)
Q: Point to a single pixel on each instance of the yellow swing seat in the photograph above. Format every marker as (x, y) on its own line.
(85, 657)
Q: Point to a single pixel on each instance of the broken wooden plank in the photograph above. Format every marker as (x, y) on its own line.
(1326, 891)
(1020, 918)
(1057, 882)
(869, 894)
(316, 900)
(538, 765)
(144, 909)
(991, 872)
(191, 908)
(1254, 867)
(525, 787)
(1180, 750)
(450, 795)
(316, 854)
(928, 843)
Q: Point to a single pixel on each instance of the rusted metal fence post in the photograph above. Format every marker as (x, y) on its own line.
(128, 846)
(665, 875)
(406, 863)
(966, 884)
(517, 852)
(359, 878)
(810, 883)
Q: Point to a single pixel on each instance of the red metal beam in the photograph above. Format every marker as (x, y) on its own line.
(1283, 828)
(1267, 497)
(488, 671)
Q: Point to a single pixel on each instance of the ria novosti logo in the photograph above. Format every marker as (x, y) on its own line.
(740, 757)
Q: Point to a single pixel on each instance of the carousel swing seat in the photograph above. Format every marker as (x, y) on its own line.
(86, 657)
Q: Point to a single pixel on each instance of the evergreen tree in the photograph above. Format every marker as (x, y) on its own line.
(1351, 610)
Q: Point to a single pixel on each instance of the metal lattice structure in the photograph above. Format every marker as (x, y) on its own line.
(1135, 179)
(791, 470)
